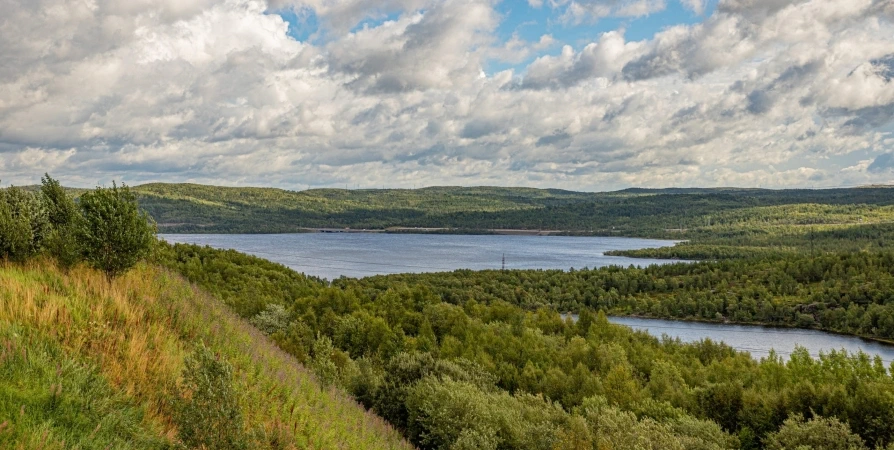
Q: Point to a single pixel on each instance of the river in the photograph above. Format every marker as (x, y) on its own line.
(758, 340)
(331, 255)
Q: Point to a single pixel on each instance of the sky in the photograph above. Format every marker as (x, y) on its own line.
(586, 95)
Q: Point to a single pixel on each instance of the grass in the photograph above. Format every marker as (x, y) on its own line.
(86, 364)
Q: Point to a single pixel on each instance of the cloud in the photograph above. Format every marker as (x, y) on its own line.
(419, 51)
(697, 6)
(761, 92)
(599, 59)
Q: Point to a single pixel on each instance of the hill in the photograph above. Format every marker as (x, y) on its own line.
(85, 363)
(663, 213)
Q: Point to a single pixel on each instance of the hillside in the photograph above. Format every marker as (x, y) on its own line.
(692, 214)
(87, 364)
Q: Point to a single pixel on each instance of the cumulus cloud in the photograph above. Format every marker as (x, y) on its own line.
(599, 59)
(431, 49)
(761, 92)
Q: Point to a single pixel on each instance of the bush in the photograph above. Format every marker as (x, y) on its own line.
(207, 414)
(23, 224)
(61, 241)
(273, 319)
(817, 433)
(115, 234)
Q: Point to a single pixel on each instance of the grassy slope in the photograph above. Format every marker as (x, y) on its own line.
(88, 364)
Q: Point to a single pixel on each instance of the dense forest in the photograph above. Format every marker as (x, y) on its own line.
(484, 360)
(850, 293)
(674, 213)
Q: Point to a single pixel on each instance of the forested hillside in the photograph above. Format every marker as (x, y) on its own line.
(677, 213)
(483, 360)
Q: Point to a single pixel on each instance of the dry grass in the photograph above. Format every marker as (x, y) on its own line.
(137, 330)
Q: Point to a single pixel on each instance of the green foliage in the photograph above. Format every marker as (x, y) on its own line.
(61, 208)
(208, 415)
(817, 433)
(115, 234)
(322, 363)
(65, 220)
(23, 224)
(844, 292)
(712, 216)
(246, 283)
(272, 320)
(483, 359)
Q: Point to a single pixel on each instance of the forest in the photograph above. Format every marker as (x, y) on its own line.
(486, 360)
(670, 213)
(457, 361)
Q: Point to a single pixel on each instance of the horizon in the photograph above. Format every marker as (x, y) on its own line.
(415, 188)
(583, 95)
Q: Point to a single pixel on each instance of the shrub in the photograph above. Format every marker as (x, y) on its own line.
(273, 319)
(115, 234)
(207, 414)
(23, 224)
(817, 433)
(61, 242)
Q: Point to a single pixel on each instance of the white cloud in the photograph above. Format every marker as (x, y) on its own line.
(762, 92)
(697, 6)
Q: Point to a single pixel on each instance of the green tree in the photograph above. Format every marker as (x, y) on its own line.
(116, 233)
(62, 214)
(23, 224)
(817, 433)
(61, 208)
(208, 415)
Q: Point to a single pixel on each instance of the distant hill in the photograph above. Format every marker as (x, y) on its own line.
(191, 208)
(89, 364)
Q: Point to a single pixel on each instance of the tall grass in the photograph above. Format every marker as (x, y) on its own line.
(88, 363)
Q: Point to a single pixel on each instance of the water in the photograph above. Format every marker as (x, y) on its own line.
(331, 255)
(759, 340)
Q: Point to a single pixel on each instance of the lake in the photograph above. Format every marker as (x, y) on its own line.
(759, 340)
(331, 255)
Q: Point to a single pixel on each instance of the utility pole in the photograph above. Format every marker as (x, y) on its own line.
(504, 263)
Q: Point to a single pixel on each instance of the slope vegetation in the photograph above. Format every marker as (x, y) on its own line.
(87, 363)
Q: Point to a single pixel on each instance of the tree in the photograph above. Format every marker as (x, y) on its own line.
(62, 214)
(207, 413)
(116, 233)
(61, 208)
(23, 224)
(817, 433)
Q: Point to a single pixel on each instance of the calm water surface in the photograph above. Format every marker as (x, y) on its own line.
(331, 255)
(759, 340)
